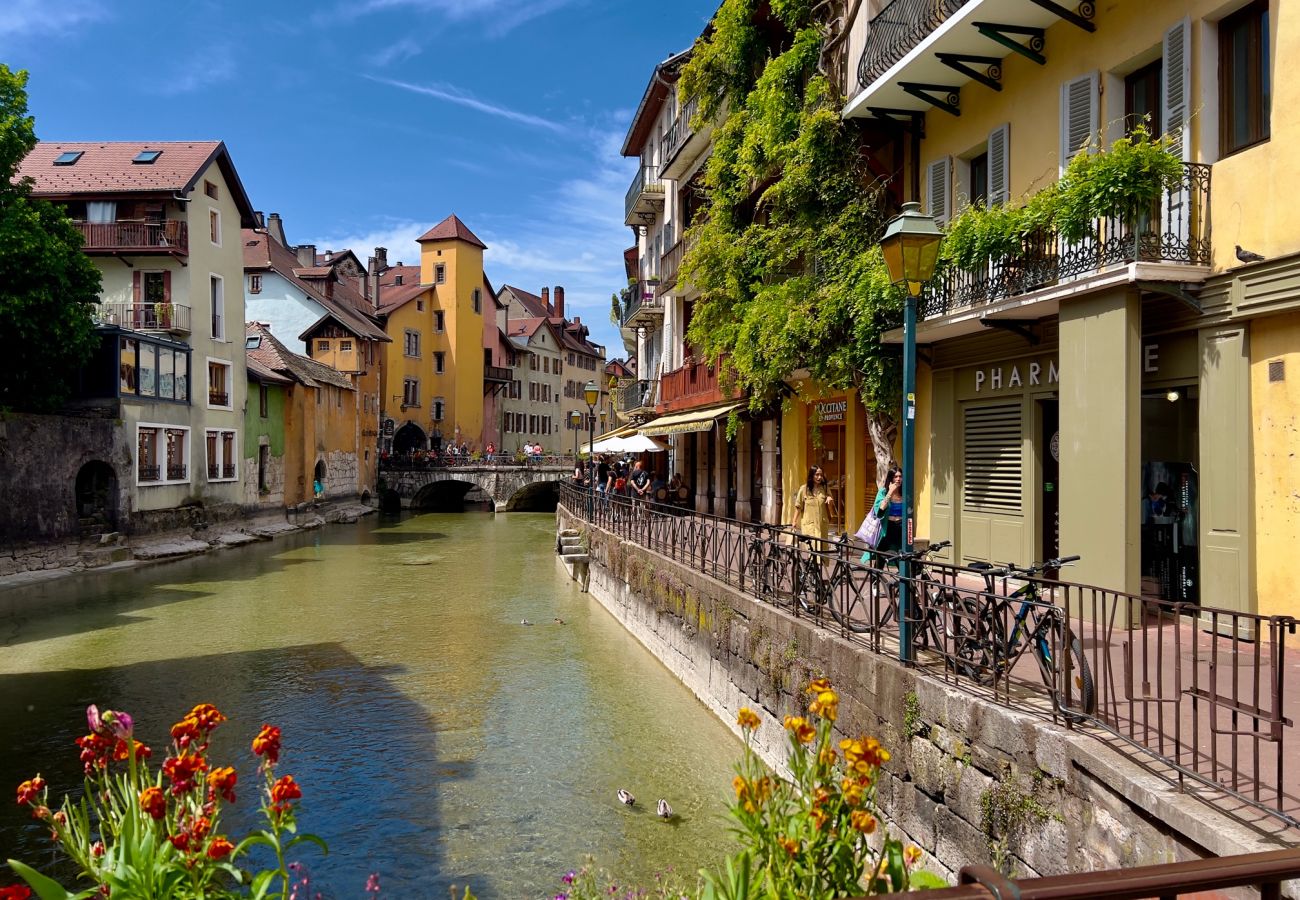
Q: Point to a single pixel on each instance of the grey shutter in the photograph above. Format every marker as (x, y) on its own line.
(992, 458)
(1078, 115)
(938, 188)
(1000, 165)
(1175, 82)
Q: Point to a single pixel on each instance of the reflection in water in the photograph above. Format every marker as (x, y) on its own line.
(438, 740)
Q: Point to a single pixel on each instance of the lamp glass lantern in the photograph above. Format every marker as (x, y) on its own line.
(591, 393)
(911, 247)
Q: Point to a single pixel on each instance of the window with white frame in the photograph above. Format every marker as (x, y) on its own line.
(220, 445)
(162, 454)
(219, 384)
(440, 274)
(217, 292)
(214, 226)
(411, 343)
(255, 284)
(411, 392)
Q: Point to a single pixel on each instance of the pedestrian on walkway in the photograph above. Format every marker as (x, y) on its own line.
(889, 507)
(640, 484)
(813, 505)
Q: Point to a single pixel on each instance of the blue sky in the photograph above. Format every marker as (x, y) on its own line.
(363, 122)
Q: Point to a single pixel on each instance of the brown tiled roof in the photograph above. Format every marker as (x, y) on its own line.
(390, 298)
(410, 275)
(451, 228)
(280, 359)
(261, 251)
(530, 301)
(314, 272)
(259, 372)
(105, 167)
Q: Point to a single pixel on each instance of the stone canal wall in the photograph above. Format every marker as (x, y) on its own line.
(970, 781)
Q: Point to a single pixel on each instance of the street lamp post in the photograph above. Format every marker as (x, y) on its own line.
(911, 248)
(575, 422)
(591, 393)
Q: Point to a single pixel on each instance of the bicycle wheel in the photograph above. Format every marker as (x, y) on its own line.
(974, 629)
(841, 591)
(1083, 691)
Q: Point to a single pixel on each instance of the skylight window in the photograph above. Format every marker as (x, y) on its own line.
(68, 157)
(146, 157)
(252, 342)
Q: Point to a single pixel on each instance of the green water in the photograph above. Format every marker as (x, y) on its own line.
(438, 740)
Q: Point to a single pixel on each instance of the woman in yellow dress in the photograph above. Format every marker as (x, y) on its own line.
(813, 505)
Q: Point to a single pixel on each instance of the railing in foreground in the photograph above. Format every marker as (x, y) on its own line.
(1262, 871)
(1200, 692)
(419, 463)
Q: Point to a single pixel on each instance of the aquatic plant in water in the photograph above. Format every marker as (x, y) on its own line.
(142, 834)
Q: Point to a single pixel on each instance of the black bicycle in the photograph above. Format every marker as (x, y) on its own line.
(764, 560)
(988, 651)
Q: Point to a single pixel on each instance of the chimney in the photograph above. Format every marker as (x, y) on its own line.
(306, 255)
(381, 254)
(275, 227)
(371, 281)
(559, 301)
(329, 255)
(546, 300)
(259, 220)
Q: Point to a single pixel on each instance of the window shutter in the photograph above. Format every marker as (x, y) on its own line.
(1078, 115)
(137, 289)
(1175, 81)
(167, 286)
(1000, 165)
(938, 188)
(993, 456)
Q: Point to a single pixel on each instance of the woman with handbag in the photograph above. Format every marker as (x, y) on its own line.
(888, 511)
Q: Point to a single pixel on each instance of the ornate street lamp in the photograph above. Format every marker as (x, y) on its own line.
(591, 393)
(911, 247)
(575, 422)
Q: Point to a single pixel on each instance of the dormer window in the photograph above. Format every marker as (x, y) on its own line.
(146, 157)
(398, 279)
(69, 157)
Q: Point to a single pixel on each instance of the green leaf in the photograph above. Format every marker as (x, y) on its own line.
(308, 838)
(924, 880)
(44, 887)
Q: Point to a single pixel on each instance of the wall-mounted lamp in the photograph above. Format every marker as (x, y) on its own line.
(1173, 396)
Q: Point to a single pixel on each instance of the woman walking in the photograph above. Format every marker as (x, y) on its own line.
(813, 505)
(889, 507)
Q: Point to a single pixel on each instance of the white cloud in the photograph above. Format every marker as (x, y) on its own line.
(500, 17)
(199, 71)
(21, 19)
(403, 49)
(461, 97)
(396, 235)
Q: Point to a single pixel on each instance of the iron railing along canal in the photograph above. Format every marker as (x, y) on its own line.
(1200, 692)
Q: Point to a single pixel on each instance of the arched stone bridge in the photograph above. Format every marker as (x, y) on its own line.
(508, 487)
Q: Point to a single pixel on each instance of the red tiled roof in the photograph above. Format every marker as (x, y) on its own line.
(390, 298)
(259, 372)
(314, 272)
(105, 167)
(275, 356)
(529, 301)
(451, 228)
(410, 275)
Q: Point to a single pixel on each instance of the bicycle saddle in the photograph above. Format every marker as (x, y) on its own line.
(980, 566)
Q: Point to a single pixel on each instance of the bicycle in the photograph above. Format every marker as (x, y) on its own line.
(988, 653)
(763, 561)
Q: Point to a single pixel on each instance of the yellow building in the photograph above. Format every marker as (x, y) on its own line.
(1125, 396)
(434, 368)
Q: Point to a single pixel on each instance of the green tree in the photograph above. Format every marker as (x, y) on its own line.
(785, 252)
(46, 283)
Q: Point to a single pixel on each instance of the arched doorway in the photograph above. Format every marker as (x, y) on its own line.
(319, 476)
(96, 491)
(408, 438)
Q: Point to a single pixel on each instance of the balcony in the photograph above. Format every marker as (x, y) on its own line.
(170, 237)
(149, 473)
(645, 197)
(897, 29)
(1170, 243)
(693, 385)
(682, 146)
(635, 399)
(171, 318)
(497, 374)
(177, 472)
(646, 307)
(218, 398)
(668, 266)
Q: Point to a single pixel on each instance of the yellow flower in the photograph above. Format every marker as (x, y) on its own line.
(741, 786)
(911, 855)
(826, 705)
(852, 792)
(827, 756)
(747, 719)
(801, 728)
(789, 845)
(819, 685)
(818, 818)
(863, 821)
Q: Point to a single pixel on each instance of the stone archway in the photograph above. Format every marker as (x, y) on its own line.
(408, 438)
(446, 495)
(96, 493)
(539, 496)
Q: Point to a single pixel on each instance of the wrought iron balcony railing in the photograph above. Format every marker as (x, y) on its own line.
(177, 473)
(678, 133)
(149, 473)
(637, 394)
(218, 398)
(1176, 230)
(645, 186)
(135, 237)
(170, 317)
(228, 471)
(896, 29)
(644, 304)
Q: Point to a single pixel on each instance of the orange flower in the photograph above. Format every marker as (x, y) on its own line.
(207, 716)
(94, 752)
(863, 821)
(826, 756)
(789, 845)
(284, 790)
(222, 781)
(826, 705)
(181, 770)
(186, 732)
(29, 789)
(741, 786)
(864, 755)
(141, 751)
(219, 848)
(911, 855)
(819, 818)
(801, 728)
(154, 802)
(267, 743)
(747, 719)
(819, 685)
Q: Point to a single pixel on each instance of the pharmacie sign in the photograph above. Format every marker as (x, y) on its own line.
(831, 410)
(1016, 376)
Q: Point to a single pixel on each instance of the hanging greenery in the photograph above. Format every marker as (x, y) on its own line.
(785, 253)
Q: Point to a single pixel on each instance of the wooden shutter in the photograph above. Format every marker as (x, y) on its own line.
(993, 458)
(167, 286)
(137, 288)
(938, 188)
(1000, 165)
(1175, 82)
(1078, 115)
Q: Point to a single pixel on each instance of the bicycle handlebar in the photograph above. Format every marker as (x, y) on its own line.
(1030, 571)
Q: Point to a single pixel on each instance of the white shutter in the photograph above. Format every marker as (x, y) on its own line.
(938, 188)
(999, 165)
(1175, 82)
(1078, 115)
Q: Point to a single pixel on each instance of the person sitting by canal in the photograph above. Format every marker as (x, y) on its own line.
(317, 489)
(813, 505)
(888, 505)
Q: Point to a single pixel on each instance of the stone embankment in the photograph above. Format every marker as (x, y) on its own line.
(36, 562)
(971, 781)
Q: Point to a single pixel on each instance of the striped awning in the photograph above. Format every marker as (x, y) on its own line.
(687, 422)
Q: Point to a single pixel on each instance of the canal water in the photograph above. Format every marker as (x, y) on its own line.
(438, 740)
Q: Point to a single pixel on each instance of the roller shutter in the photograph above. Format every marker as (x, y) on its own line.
(993, 458)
